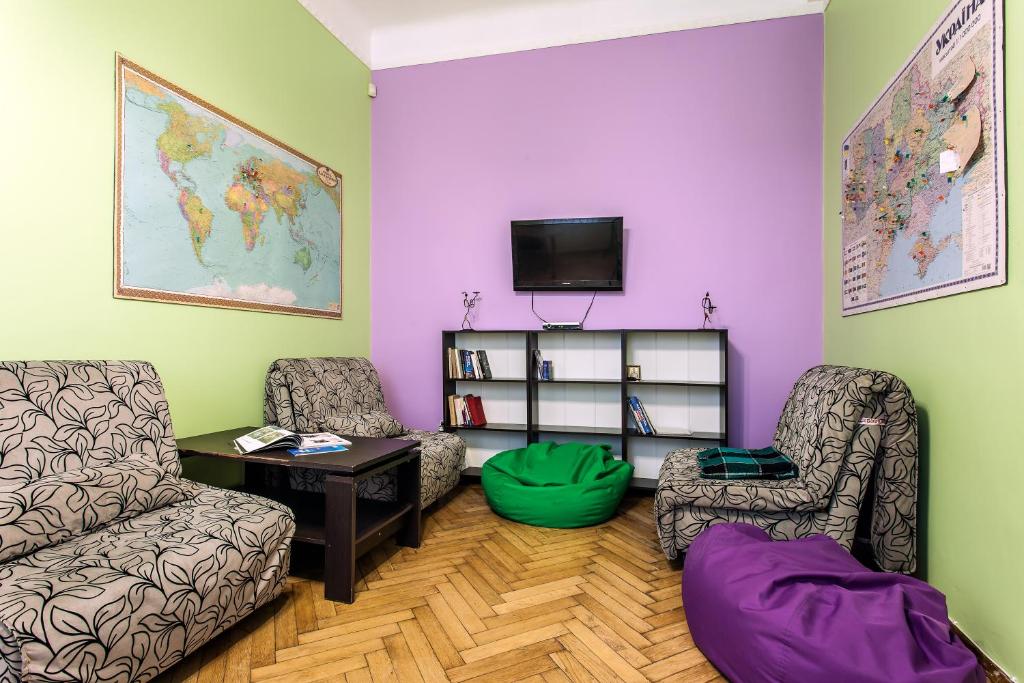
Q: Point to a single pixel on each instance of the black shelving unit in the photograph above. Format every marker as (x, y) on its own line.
(623, 430)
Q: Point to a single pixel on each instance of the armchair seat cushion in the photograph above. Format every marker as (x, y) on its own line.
(376, 424)
(129, 600)
(344, 396)
(680, 483)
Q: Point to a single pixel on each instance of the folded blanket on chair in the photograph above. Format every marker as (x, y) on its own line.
(739, 463)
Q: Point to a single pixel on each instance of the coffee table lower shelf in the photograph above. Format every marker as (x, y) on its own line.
(375, 521)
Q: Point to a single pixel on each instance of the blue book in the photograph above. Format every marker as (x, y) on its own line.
(643, 424)
(467, 364)
(336, 448)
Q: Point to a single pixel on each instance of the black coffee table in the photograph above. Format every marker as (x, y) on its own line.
(346, 525)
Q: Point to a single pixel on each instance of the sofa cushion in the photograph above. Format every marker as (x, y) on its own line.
(127, 601)
(63, 416)
(56, 507)
(680, 483)
(375, 423)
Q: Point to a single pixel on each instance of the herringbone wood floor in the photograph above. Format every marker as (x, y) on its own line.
(482, 599)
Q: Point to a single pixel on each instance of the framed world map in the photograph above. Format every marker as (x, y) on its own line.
(212, 212)
(924, 171)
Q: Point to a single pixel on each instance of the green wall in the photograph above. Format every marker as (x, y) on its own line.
(269, 63)
(962, 356)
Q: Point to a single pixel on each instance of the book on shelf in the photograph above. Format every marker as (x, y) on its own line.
(538, 364)
(465, 364)
(640, 416)
(273, 437)
(466, 411)
(475, 406)
(454, 367)
(485, 367)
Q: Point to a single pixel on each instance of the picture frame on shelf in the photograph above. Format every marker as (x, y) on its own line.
(633, 373)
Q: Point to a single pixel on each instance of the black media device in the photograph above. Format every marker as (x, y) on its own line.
(567, 254)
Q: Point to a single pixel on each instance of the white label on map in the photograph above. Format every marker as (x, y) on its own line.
(956, 31)
(949, 161)
(855, 273)
(977, 209)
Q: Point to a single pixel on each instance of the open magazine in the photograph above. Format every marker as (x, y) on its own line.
(271, 436)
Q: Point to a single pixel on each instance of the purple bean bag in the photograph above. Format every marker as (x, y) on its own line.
(806, 611)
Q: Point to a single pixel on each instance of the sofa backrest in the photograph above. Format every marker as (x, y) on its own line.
(82, 445)
(819, 420)
(302, 392)
(58, 416)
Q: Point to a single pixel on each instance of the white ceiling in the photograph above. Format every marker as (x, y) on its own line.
(390, 33)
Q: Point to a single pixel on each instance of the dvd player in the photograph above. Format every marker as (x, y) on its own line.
(563, 326)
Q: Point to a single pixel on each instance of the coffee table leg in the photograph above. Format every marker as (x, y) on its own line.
(408, 479)
(339, 553)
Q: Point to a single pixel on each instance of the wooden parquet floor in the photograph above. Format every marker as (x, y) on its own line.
(483, 599)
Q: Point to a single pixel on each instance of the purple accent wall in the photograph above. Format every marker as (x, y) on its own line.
(707, 141)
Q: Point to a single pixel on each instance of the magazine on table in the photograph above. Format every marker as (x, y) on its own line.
(272, 436)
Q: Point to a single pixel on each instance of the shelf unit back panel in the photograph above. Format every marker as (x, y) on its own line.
(482, 445)
(506, 351)
(583, 355)
(647, 455)
(677, 356)
(585, 405)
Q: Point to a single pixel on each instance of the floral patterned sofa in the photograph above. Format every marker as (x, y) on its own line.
(853, 436)
(112, 567)
(344, 396)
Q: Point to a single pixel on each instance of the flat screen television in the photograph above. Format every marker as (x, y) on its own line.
(567, 254)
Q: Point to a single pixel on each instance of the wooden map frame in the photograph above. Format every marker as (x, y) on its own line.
(997, 277)
(122, 291)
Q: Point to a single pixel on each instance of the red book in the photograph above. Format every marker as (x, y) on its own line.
(476, 410)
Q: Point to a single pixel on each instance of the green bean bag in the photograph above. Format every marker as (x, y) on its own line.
(551, 485)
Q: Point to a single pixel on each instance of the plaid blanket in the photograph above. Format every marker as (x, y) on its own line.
(739, 463)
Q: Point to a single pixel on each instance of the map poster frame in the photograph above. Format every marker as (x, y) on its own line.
(327, 176)
(982, 221)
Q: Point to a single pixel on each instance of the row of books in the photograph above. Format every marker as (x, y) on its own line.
(463, 364)
(640, 416)
(466, 411)
(542, 369)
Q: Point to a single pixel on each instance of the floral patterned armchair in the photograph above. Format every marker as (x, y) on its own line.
(112, 567)
(344, 396)
(852, 434)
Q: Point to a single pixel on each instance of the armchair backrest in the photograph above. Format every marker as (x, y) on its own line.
(820, 421)
(301, 392)
(58, 417)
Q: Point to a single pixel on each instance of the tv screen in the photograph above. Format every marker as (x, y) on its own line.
(567, 253)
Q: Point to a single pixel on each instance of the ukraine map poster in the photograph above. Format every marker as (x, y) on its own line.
(923, 171)
(210, 211)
